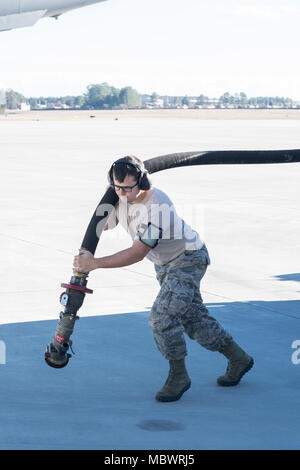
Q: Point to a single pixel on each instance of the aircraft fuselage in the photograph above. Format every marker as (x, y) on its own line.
(21, 13)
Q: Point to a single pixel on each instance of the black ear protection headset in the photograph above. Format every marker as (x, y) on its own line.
(143, 181)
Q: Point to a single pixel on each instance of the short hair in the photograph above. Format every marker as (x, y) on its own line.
(121, 170)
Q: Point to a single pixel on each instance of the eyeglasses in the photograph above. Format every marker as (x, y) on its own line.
(127, 189)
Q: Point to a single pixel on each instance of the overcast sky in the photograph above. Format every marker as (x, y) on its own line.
(173, 47)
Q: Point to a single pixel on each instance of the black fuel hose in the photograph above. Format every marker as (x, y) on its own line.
(175, 160)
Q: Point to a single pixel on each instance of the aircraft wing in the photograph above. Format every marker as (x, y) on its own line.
(20, 20)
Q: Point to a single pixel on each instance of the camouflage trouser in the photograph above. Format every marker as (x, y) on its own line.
(179, 308)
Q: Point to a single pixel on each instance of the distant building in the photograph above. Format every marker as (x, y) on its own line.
(169, 101)
(159, 103)
(147, 102)
(24, 107)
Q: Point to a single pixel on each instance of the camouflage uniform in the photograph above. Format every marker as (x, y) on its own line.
(179, 308)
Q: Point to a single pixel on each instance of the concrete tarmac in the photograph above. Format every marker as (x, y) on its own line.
(53, 174)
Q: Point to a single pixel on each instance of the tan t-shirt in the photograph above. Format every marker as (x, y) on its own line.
(156, 223)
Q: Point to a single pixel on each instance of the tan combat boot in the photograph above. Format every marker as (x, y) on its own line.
(239, 363)
(176, 384)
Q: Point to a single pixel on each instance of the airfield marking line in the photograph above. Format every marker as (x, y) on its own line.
(253, 304)
(35, 243)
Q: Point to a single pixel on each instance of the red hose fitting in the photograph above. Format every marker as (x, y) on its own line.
(80, 288)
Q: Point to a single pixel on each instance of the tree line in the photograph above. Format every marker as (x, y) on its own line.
(242, 100)
(104, 96)
(97, 96)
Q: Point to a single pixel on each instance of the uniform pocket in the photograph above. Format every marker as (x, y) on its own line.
(198, 256)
